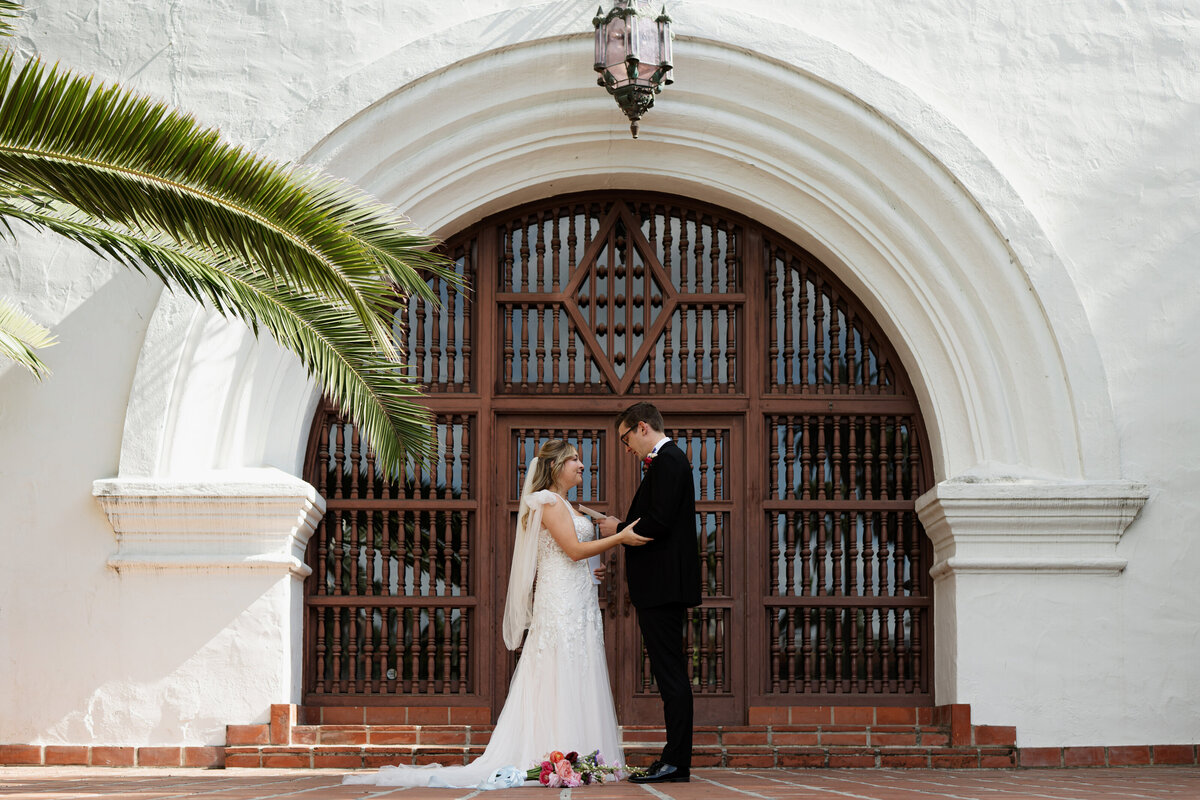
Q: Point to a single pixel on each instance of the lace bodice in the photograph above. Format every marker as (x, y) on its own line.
(565, 608)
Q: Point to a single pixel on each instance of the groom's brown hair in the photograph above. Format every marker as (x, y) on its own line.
(642, 412)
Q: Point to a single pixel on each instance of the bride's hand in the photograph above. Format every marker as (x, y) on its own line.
(627, 536)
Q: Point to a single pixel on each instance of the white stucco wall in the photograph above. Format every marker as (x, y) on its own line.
(1066, 130)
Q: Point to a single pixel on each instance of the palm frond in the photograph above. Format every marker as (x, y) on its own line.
(366, 382)
(20, 336)
(9, 11)
(127, 161)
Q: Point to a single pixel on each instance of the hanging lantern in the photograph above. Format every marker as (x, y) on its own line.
(633, 55)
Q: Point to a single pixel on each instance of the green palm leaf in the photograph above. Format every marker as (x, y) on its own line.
(127, 160)
(369, 384)
(8, 11)
(314, 260)
(20, 336)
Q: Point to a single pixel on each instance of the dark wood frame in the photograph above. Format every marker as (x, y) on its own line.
(750, 400)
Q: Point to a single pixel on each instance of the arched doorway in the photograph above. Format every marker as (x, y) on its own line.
(802, 428)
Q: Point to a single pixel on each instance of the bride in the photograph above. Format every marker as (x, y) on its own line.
(559, 698)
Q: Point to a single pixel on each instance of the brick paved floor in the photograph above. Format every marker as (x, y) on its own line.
(1127, 783)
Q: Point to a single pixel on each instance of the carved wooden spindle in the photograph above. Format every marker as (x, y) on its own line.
(835, 344)
(413, 622)
(508, 348)
(668, 262)
(836, 431)
(436, 372)
(506, 259)
(807, 468)
(870, 528)
(900, 641)
(819, 335)
(528, 279)
(669, 351)
(522, 367)
(713, 280)
(853, 364)
(421, 310)
(540, 278)
(899, 555)
(915, 655)
(337, 474)
(793, 372)
(822, 461)
(870, 653)
(572, 241)
(868, 451)
(573, 363)
(448, 554)
(685, 353)
(733, 280)
(467, 322)
(442, 650)
(806, 649)
(806, 540)
(420, 553)
(322, 651)
(776, 634)
(852, 456)
(719, 552)
(557, 317)
(386, 572)
(335, 672)
(774, 378)
(719, 461)
(446, 379)
(539, 348)
(802, 285)
(323, 461)
(915, 482)
(883, 554)
(322, 534)
(354, 461)
(729, 333)
(463, 534)
(712, 349)
(838, 534)
(852, 563)
(685, 261)
(368, 679)
(899, 458)
(838, 624)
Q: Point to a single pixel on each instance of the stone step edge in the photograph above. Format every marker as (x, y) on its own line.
(746, 757)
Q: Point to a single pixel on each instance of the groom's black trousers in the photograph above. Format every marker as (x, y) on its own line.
(663, 633)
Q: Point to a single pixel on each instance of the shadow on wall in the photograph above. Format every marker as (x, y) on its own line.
(139, 657)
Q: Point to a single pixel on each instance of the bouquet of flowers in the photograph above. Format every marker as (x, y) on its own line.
(570, 770)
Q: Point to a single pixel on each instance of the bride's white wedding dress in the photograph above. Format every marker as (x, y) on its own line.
(559, 698)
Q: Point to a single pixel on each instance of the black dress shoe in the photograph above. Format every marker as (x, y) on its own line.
(662, 773)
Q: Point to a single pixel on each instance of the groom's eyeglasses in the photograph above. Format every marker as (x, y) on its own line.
(625, 437)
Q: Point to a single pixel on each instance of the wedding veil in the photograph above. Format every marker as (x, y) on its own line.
(518, 606)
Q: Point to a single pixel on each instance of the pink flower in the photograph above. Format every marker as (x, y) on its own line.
(553, 781)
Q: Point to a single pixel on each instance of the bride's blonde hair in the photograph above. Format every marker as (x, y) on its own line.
(550, 459)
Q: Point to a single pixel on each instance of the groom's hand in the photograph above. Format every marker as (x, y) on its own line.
(608, 526)
(599, 572)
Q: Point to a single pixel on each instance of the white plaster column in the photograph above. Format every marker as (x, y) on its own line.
(229, 534)
(1022, 568)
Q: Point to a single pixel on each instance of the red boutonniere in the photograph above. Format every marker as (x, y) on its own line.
(646, 461)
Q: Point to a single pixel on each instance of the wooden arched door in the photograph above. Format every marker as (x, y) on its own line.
(803, 432)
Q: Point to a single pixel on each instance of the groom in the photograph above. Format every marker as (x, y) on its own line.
(663, 576)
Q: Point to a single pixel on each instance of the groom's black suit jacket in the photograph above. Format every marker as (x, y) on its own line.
(666, 570)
